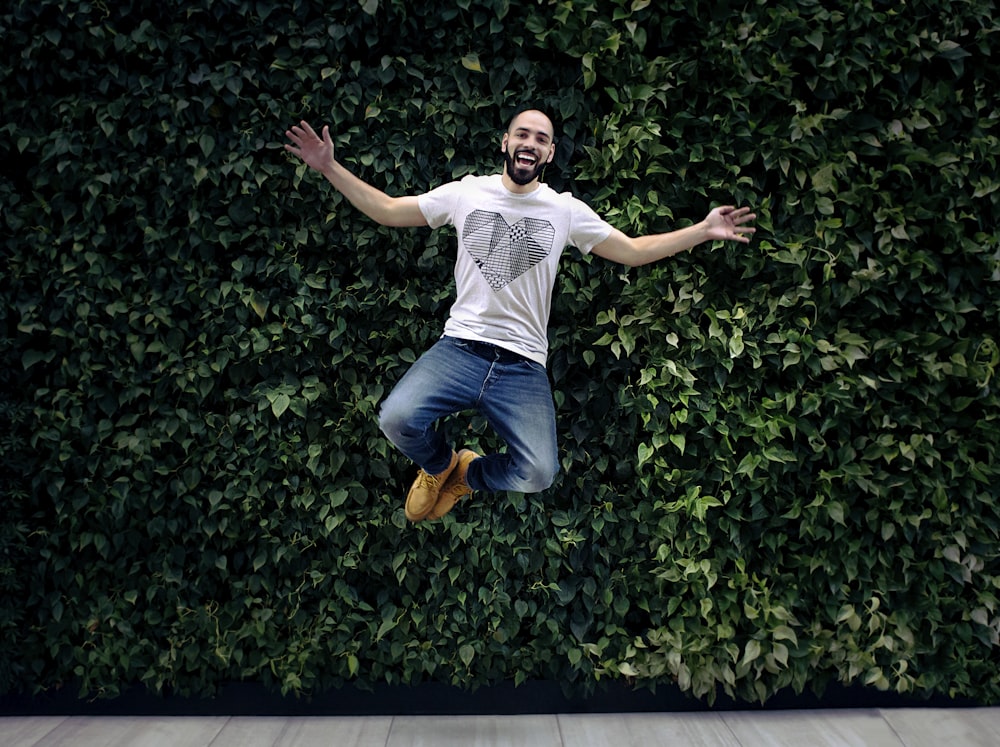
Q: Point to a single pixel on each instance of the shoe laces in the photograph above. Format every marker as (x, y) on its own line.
(427, 481)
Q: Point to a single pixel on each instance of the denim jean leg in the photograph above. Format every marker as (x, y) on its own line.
(443, 381)
(517, 402)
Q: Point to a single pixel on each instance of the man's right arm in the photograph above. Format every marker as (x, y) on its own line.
(317, 153)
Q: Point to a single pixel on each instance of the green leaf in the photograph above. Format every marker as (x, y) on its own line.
(259, 304)
(645, 453)
(471, 62)
(751, 653)
(31, 357)
(951, 50)
(785, 633)
(207, 144)
(280, 404)
(466, 653)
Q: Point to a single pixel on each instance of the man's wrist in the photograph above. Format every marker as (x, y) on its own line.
(695, 235)
(703, 231)
(330, 170)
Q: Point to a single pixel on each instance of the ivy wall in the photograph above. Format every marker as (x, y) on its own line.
(779, 462)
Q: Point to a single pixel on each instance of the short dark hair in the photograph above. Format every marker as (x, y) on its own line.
(531, 108)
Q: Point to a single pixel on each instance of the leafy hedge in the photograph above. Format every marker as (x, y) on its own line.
(779, 462)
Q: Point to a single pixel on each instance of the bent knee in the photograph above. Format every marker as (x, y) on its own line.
(538, 477)
(394, 422)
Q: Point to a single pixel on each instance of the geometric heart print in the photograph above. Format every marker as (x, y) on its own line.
(504, 252)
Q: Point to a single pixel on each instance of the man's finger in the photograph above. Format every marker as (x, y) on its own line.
(296, 134)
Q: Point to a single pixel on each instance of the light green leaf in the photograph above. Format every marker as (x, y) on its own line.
(751, 653)
(471, 62)
(259, 304)
(466, 653)
(280, 404)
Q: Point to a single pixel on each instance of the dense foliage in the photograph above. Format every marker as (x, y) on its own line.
(780, 463)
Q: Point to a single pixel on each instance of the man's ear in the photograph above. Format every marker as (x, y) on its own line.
(503, 143)
(552, 152)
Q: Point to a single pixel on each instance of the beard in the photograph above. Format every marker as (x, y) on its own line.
(522, 175)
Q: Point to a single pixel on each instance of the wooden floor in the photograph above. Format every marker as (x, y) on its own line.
(953, 727)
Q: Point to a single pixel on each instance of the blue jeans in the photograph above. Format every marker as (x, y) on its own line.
(513, 394)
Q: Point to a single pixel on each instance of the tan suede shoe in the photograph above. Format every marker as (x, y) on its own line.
(455, 487)
(425, 490)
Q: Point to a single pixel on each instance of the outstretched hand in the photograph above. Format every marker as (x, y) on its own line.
(316, 152)
(728, 223)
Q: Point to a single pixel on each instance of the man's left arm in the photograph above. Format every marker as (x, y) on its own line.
(726, 223)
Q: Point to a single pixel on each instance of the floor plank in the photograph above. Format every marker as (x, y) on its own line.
(313, 731)
(817, 728)
(139, 731)
(474, 731)
(646, 729)
(954, 727)
(26, 731)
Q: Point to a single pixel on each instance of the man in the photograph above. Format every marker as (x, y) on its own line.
(512, 229)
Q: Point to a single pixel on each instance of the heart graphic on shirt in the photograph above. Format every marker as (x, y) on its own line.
(503, 252)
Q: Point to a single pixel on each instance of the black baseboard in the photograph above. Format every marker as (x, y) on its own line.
(250, 699)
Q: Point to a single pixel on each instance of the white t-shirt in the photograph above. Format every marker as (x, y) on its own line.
(508, 253)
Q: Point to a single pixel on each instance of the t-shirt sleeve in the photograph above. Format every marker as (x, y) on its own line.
(439, 204)
(587, 229)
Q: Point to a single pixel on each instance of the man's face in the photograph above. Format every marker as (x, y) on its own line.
(527, 146)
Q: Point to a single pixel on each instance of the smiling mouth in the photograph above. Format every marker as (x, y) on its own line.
(525, 159)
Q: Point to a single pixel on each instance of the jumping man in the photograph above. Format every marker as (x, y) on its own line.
(512, 229)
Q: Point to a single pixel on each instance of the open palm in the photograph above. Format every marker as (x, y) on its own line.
(728, 223)
(315, 151)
